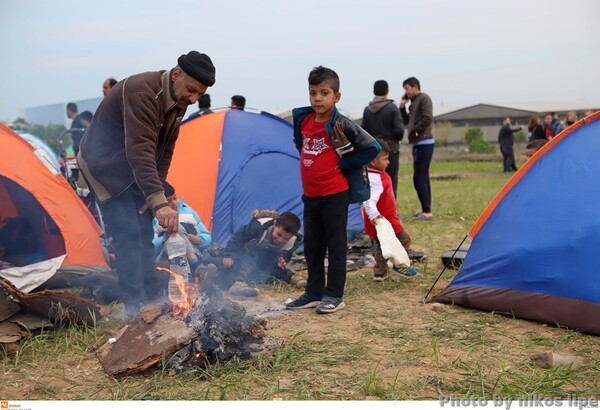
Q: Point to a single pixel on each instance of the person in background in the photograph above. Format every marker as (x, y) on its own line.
(125, 158)
(535, 128)
(77, 129)
(420, 122)
(547, 126)
(382, 119)
(571, 119)
(334, 152)
(86, 118)
(556, 125)
(534, 146)
(238, 102)
(203, 106)
(506, 139)
(107, 85)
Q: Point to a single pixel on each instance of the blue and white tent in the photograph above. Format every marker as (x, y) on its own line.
(535, 252)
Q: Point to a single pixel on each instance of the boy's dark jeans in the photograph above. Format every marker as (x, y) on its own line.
(132, 235)
(325, 220)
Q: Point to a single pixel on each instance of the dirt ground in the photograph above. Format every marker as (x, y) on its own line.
(386, 344)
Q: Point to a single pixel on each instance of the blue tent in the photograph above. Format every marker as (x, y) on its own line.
(535, 250)
(228, 163)
(42, 150)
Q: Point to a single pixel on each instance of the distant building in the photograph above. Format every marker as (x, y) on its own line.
(489, 117)
(485, 115)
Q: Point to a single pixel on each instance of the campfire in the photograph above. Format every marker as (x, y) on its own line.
(205, 327)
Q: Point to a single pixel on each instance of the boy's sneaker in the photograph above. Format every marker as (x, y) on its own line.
(330, 304)
(405, 271)
(379, 277)
(304, 301)
(416, 255)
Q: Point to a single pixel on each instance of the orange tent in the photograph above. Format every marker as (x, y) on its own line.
(61, 222)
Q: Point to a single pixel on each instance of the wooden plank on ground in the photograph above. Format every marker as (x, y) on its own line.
(9, 332)
(57, 305)
(8, 301)
(140, 345)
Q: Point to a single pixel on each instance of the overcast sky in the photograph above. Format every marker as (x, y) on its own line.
(464, 51)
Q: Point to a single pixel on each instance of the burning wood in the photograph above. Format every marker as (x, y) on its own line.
(140, 345)
(222, 326)
(215, 328)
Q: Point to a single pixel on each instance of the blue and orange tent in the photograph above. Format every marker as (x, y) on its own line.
(535, 248)
(228, 163)
(62, 229)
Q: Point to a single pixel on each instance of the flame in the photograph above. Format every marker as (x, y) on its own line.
(189, 291)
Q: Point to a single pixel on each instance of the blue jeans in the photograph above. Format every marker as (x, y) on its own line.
(132, 235)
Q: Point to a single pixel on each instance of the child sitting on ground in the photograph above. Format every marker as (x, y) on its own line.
(382, 204)
(258, 253)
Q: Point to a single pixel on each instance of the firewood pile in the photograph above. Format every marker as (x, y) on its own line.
(216, 328)
(24, 314)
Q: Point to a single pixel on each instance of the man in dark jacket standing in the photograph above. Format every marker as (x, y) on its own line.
(125, 157)
(507, 142)
(420, 123)
(382, 119)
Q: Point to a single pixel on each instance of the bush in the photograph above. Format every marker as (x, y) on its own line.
(474, 137)
(481, 147)
(50, 133)
(520, 136)
(473, 134)
(441, 142)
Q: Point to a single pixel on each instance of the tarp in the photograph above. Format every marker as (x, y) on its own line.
(535, 247)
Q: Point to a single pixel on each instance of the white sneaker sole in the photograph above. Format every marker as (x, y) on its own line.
(324, 311)
(307, 306)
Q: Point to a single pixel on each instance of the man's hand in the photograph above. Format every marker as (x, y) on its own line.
(227, 262)
(195, 240)
(168, 219)
(281, 263)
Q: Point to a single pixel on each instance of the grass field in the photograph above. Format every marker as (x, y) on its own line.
(385, 345)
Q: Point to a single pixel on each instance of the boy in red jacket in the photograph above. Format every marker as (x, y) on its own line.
(382, 204)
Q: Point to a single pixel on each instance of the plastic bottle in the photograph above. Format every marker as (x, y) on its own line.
(176, 251)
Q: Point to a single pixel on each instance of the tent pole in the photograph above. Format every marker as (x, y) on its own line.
(424, 300)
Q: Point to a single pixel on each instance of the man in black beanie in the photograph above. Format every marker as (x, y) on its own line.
(125, 156)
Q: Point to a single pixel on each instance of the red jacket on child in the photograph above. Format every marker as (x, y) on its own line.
(382, 202)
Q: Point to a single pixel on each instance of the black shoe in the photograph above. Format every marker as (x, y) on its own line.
(416, 255)
(304, 301)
